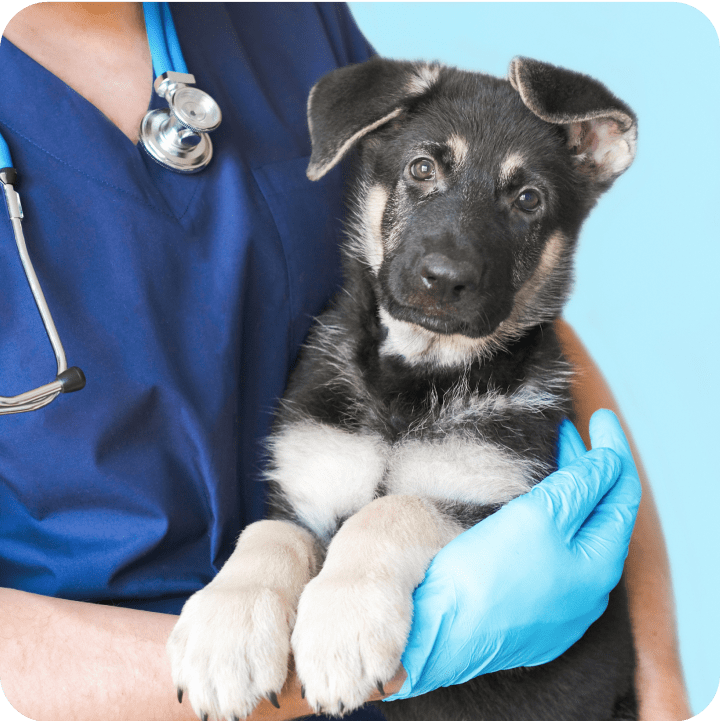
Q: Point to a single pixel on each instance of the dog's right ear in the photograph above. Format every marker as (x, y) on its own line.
(348, 103)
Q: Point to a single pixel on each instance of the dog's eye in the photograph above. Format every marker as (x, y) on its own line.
(528, 200)
(422, 169)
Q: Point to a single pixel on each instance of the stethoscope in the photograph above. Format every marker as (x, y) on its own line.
(176, 137)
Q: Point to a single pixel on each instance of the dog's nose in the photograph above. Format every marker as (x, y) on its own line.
(447, 279)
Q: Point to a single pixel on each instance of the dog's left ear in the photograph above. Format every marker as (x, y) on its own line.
(348, 103)
(601, 129)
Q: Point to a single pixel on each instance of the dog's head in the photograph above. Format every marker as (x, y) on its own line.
(472, 192)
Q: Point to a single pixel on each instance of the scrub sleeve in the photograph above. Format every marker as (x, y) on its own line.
(184, 299)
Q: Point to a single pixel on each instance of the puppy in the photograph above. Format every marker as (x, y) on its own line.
(428, 395)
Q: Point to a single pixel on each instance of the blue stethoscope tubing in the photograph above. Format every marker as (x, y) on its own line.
(168, 66)
(5, 159)
(162, 39)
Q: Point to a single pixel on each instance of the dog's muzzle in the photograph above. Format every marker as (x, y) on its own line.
(447, 291)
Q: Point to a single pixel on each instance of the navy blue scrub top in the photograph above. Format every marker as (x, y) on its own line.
(183, 298)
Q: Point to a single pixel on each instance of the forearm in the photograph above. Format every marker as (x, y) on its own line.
(68, 660)
(661, 687)
(652, 610)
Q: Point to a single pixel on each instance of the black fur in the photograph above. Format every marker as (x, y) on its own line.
(481, 251)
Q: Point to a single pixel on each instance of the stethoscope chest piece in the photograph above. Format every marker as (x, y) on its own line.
(176, 136)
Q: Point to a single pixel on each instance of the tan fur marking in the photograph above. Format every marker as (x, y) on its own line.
(275, 554)
(513, 162)
(550, 259)
(374, 206)
(459, 147)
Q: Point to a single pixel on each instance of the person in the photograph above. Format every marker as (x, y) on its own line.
(184, 299)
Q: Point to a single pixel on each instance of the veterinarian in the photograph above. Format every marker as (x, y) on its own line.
(184, 298)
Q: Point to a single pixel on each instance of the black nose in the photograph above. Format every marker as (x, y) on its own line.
(446, 279)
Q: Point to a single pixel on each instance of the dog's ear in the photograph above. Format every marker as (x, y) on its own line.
(348, 103)
(601, 129)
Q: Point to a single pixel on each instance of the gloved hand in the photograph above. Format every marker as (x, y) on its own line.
(520, 587)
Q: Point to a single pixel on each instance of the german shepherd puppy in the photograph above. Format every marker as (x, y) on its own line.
(428, 395)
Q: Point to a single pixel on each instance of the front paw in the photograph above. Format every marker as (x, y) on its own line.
(230, 649)
(348, 640)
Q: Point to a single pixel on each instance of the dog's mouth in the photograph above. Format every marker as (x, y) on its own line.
(449, 319)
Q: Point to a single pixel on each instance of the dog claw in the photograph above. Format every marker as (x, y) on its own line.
(204, 716)
(302, 691)
(272, 697)
(179, 694)
(380, 688)
(341, 707)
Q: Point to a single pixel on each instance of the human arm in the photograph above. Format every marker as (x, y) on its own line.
(659, 677)
(70, 660)
(65, 659)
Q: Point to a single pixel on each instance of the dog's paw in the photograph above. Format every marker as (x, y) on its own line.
(348, 640)
(230, 649)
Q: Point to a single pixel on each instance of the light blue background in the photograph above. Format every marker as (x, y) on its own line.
(646, 298)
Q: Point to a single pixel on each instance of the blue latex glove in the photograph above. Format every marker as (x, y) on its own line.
(520, 587)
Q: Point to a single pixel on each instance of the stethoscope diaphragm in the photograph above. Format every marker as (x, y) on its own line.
(195, 109)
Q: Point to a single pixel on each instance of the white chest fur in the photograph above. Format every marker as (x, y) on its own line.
(328, 474)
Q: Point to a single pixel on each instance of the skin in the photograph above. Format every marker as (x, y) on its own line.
(70, 660)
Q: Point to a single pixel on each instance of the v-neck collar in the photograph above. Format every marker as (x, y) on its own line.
(39, 109)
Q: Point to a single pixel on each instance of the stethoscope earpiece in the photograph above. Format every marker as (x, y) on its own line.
(176, 136)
